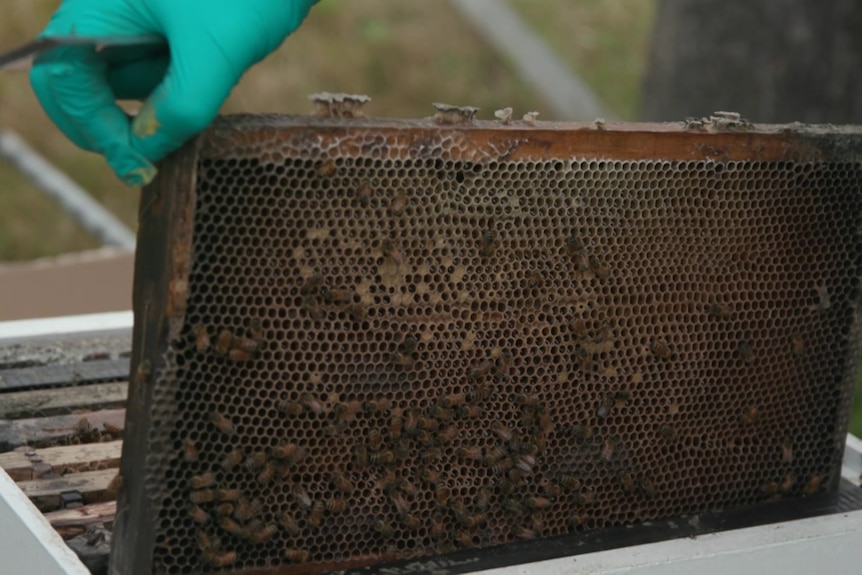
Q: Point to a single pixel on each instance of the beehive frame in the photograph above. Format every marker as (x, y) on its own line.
(358, 341)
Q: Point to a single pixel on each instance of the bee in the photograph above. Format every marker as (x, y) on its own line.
(585, 498)
(114, 487)
(442, 494)
(336, 505)
(230, 526)
(583, 358)
(401, 505)
(488, 244)
(312, 284)
(525, 533)
(528, 401)
(494, 455)
(232, 459)
(384, 529)
(430, 476)
(290, 452)
(227, 494)
(290, 408)
(190, 450)
(267, 473)
(500, 430)
(341, 483)
(398, 204)
(579, 328)
(246, 344)
(357, 311)
(577, 521)
(469, 411)
(201, 481)
(502, 466)
(198, 515)
(438, 529)
(205, 541)
(442, 413)
(599, 268)
(480, 371)
(660, 349)
(392, 253)
(263, 534)
(396, 425)
(770, 489)
(465, 539)
(315, 518)
(534, 279)
(667, 431)
(621, 398)
(570, 482)
(224, 509)
(787, 452)
(223, 424)
(364, 193)
(647, 488)
(537, 522)
(545, 422)
(289, 523)
(327, 169)
(83, 426)
(389, 482)
(360, 457)
(606, 407)
(580, 431)
(538, 503)
(219, 560)
(473, 453)
(425, 438)
(797, 344)
(480, 392)
(525, 463)
(382, 458)
(408, 488)
(338, 296)
(573, 246)
(483, 499)
(296, 555)
(750, 416)
(411, 423)
(390, 554)
(224, 342)
(255, 461)
(202, 338)
(604, 334)
(347, 411)
(813, 485)
(745, 352)
(202, 496)
(311, 403)
(302, 497)
(313, 308)
(247, 509)
(376, 406)
(608, 449)
(718, 310)
(374, 440)
(582, 260)
(627, 481)
(788, 483)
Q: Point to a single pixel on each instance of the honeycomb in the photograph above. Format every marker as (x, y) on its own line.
(399, 339)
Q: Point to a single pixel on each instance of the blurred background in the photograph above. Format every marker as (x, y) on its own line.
(771, 60)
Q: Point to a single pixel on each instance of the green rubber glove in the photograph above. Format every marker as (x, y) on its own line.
(212, 44)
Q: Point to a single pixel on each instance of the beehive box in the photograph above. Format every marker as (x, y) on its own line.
(358, 341)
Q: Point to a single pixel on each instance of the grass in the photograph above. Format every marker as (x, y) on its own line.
(403, 54)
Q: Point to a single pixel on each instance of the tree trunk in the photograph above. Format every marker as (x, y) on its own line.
(770, 60)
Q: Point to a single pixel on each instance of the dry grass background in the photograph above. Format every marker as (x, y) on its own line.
(404, 54)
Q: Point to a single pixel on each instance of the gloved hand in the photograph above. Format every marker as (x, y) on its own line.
(212, 43)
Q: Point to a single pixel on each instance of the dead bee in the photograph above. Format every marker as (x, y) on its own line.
(813, 485)
(488, 244)
(599, 269)
(356, 311)
(190, 450)
(264, 534)
(718, 310)
(302, 498)
(289, 523)
(202, 338)
(608, 449)
(399, 203)
(660, 348)
(327, 169)
(201, 481)
(224, 342)
(797, 344)
(219, 560)
(384, 529)
(787, 452)
(114, 487)
(500, 430)
(227, 494)
(255, 461)
(202, 496)
(315, 518)
(347, 411)
(364, 193)
(382, 458)
(573, 246)
(341, 483)
(223, 424)
(232, 459)
(296, 555)
(647, 488)
(231, 526)
(392, 252)
(223, 509)
(745, 352)
(267, 474)
(336, 505)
